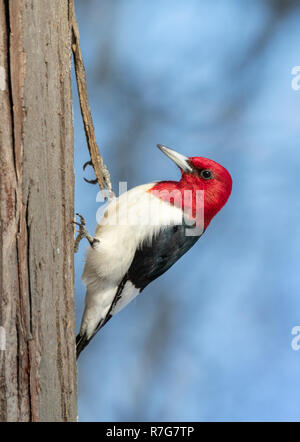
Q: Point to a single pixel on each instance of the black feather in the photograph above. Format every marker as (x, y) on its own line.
(81, 342)
(152, 260)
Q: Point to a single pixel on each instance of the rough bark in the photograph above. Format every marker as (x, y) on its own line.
(37, 367)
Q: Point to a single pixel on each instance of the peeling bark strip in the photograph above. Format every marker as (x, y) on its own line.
(37, 367)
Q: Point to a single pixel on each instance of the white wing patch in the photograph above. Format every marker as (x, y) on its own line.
(128, 294)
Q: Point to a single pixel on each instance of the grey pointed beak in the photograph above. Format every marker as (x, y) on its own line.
(180, 160)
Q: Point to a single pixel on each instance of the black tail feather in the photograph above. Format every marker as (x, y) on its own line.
(81, 342)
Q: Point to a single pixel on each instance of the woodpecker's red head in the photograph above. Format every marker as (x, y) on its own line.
(199, 173)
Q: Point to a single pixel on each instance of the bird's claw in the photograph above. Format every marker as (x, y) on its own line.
(89, 163)
(83, 233)
(106, 178)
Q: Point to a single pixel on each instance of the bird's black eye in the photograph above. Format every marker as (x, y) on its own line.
(206, 174)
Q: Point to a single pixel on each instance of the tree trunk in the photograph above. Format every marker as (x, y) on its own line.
(37, 339)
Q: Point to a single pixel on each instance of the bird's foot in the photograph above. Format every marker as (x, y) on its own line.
(83, 233)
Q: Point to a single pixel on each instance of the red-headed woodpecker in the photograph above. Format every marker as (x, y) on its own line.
(144, 232)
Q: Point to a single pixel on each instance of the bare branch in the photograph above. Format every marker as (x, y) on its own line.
(101, 171)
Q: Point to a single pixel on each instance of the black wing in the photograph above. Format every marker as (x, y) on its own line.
(151, 261)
